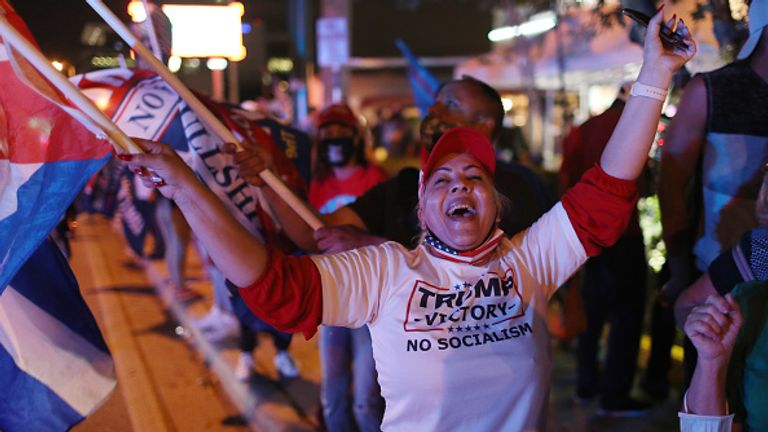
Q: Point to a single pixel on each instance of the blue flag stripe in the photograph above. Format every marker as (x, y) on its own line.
(42, 201)
(26, 404)
(54, 367)
(52, 287)
(423, 84)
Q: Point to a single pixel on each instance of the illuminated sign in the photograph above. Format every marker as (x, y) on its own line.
(204, 30)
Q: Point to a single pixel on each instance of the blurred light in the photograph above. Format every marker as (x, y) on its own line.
(380, 154)
(192, 63)
(94, 34)
(507, 103)
(280, 64)
(537, 24)
(247, 28)
(174, 63)
(739, 9)
(283, 86)
(676, 352)
(137, 12)
(99, 95)
(661, 142)
(662, 127)
(207, 30)
(105, 61)
(670, 110)
(59, 66)
(216, 63)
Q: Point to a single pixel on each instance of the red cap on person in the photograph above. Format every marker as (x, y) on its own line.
(462, 139)
(337, 113)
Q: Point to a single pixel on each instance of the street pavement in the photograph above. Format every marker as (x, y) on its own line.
(171, 378)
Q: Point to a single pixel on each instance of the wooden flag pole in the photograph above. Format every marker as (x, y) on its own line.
(149, 23)
(202, 111)
(120, 140)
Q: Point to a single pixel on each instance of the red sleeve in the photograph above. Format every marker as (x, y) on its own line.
(288, 295)
(599, 207)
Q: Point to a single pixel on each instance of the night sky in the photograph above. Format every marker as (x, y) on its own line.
(58, 24)
(432, 28)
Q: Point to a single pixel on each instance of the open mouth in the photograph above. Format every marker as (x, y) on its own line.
(461, 210)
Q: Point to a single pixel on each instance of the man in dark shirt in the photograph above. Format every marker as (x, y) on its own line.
(388, 211)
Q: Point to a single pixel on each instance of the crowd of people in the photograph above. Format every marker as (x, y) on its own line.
(429, 289)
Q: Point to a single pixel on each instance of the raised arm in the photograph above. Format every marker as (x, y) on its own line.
(712, 328)
(236, 252)
(627, 151)
(600, 204)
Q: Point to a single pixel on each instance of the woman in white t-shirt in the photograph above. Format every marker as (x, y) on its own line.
(458, 323)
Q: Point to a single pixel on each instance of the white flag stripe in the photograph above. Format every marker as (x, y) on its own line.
(12, 177)
(82, 375)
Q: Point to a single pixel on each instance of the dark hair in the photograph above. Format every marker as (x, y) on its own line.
(490, 95)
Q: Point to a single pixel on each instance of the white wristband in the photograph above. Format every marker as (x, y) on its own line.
(657, 93)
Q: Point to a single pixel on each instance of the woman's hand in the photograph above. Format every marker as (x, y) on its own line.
(251, 160)
(713, 326)
(660, 62)
(160, 167)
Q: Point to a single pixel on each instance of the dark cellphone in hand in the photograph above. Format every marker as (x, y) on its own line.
(668, 37)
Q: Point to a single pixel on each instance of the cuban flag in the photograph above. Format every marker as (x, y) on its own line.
(423, 83)
(46, 157)
(54, 365)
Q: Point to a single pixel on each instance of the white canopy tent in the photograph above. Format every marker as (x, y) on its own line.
(594, 57)
(592, 54)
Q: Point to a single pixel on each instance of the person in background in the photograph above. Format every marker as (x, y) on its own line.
(720, 132)
(350, 395)
(614, 283)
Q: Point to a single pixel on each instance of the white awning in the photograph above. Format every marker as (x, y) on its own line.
(593, 54)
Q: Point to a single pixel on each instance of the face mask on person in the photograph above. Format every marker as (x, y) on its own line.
(337, 152)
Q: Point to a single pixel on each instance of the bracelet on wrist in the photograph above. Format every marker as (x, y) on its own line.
(640, 89)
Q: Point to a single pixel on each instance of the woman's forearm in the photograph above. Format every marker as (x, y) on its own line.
(627, 150)
(235, 251)
(706, 394)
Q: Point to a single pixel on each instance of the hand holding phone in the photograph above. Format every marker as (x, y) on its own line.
(669, 38)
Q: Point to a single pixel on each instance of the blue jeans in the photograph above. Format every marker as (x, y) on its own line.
(346, 356)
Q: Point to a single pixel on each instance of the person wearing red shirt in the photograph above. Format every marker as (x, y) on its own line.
(342, 173)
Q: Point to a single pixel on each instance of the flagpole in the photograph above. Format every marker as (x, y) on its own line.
(119, 140)
(149, 23)
(201, 110)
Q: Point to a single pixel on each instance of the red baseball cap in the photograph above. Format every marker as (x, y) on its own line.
(462, 139)
(337, 113)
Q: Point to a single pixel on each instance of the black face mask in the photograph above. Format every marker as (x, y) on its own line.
(337, 152)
